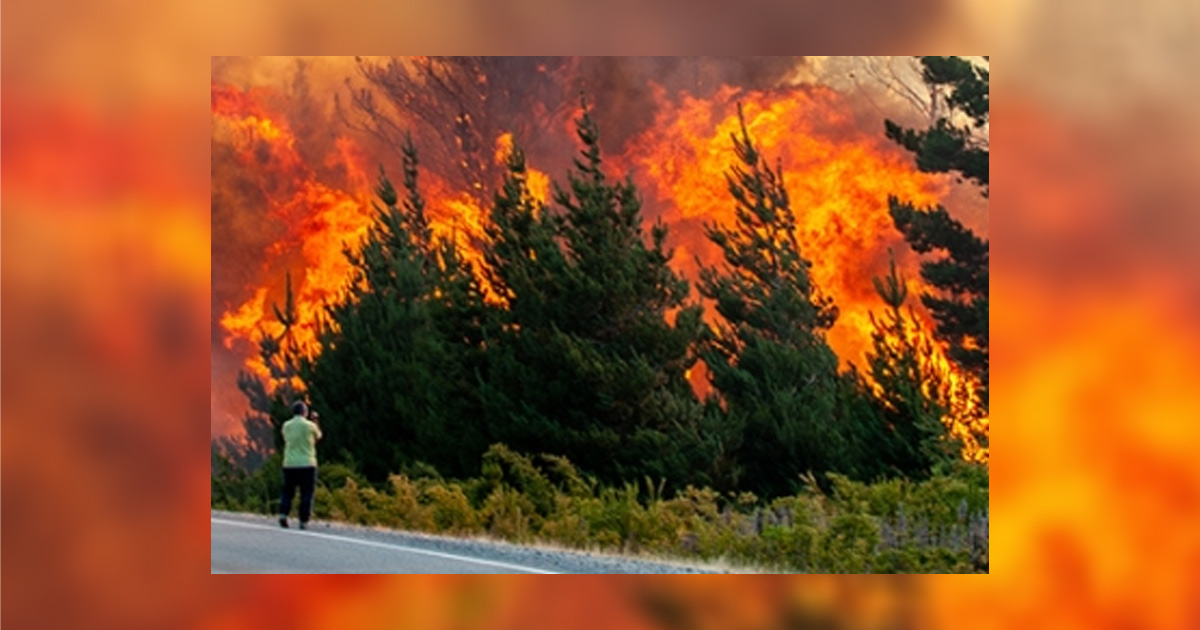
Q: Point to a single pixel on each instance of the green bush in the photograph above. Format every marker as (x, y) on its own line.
(786, 548)
(567, 525)
(348, 504)
(334, 476)
(322, 503)
(848, 544)
(896, 526)
(508, 515)
(450, 509)
(503, 465)
(406, 504)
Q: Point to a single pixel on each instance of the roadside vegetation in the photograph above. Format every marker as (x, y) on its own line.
(939, 525)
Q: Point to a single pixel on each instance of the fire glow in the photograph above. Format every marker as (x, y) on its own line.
(838, 178)
(320, 220)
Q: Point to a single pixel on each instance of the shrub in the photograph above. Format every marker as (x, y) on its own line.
(322, 503)
(334, 476)
(450, 509)
(505, 466)
(406, 504)
(896, 526)
(567, 526)
(570, 480)
(507, 514)
(847, 545)
(786, 548)
(346, 504)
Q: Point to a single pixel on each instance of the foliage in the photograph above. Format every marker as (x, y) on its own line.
(911, 387)
(270, 398)
(957, 140)
(234, 488)
(933, 526)
(956, 143)
(585, 361)
(395, 380)
(767, 355)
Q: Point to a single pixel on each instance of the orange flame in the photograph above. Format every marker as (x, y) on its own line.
(537, 181)
(321, 219)
(838, 179)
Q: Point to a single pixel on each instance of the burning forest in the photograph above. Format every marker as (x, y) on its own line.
(298, 149)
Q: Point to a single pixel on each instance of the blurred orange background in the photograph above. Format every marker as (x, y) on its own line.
(105, 304)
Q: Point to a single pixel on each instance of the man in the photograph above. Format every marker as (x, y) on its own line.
(300, 437)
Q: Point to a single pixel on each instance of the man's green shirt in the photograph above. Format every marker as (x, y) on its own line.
(300, 437)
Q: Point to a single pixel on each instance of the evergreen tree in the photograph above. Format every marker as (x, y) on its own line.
(768, 358)
(955, 143)
(957, 140)
(271, 397)
(584, 362)
(393, 379)
(911, 389)
(454, 436)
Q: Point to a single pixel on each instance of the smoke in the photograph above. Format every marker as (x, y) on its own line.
(331, 119)
(457, 106)
(252, 245)
(624, 88)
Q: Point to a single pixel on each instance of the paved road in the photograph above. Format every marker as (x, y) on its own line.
(240, 546)
(254, 543)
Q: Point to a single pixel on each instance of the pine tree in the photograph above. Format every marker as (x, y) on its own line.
(768, 358)
(957, 140)
(911, 389)
(523, 258)
(583, 362)
(394, 377)
(956, 143)
(270, 396)
(453, 435)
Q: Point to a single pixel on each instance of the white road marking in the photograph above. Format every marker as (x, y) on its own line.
(369, 543)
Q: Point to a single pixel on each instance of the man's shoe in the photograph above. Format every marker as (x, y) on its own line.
(283, 522)
(303, 525)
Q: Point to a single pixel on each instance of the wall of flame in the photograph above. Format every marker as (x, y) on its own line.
(105, 270)
(839, 169)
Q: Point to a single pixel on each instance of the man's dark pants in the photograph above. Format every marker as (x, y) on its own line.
(305, 479)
